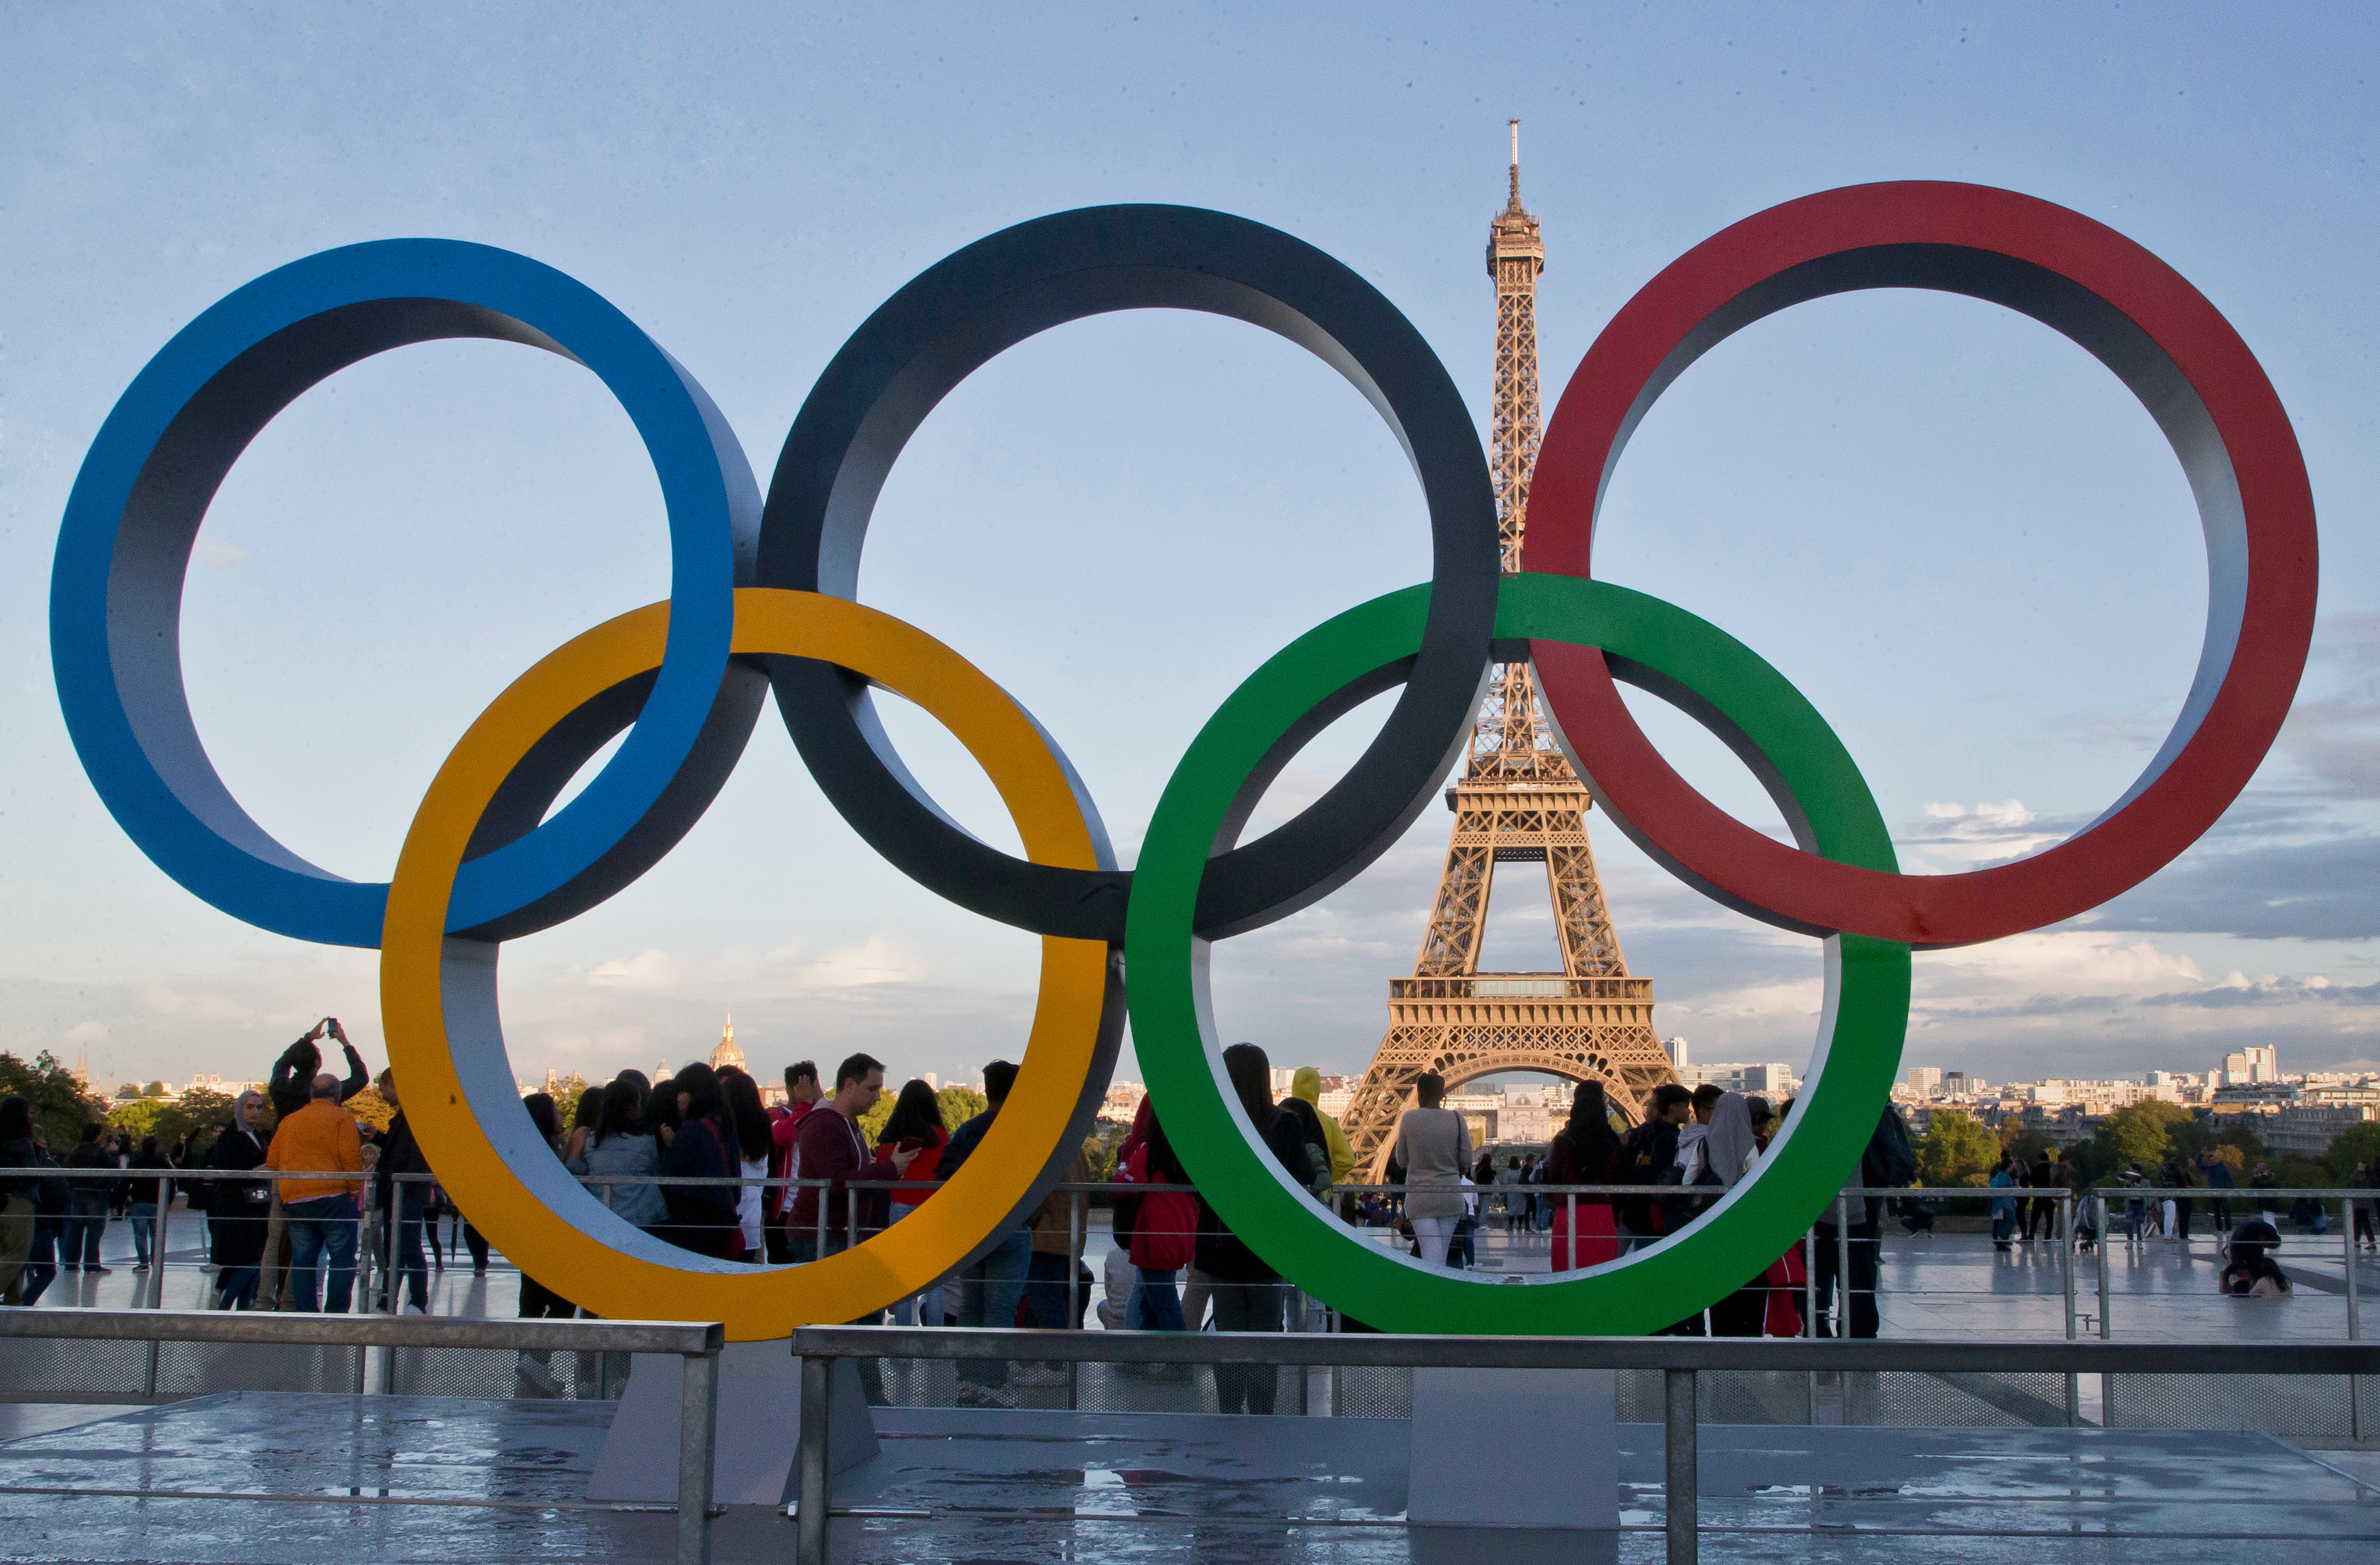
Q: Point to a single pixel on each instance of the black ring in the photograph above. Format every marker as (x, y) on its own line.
(956, 316)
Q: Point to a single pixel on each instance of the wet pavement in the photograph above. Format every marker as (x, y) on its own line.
(445, 1479)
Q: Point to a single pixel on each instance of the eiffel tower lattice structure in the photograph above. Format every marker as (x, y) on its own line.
(1518, 802)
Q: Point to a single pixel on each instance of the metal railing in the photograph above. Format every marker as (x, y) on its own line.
(1680, 1359)
(698, 1342)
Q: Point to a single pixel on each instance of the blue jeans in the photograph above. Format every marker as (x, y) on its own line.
(919, 1309)
(1160, 1305)
(42, 1260)
(1046, 1285)
(988, 1292)
(236, 1286)
(325, 1225)
(144, 1221)
(85, 1220)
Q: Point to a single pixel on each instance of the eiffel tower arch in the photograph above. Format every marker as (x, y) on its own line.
(1517, 802)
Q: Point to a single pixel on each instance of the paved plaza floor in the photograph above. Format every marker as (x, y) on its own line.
(500, 1478)
(439, 1479)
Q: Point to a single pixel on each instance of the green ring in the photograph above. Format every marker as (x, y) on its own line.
(1866, 1019)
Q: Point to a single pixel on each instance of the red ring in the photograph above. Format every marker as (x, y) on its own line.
(2130, 310)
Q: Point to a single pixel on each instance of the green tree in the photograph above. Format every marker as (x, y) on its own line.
(960, 1104)
(1956, 1149)
(199, 1112)
(60, 1106)
(128, 1093)
(2143, 1134)
(154, 1089)
(2358, 1145)
(565, 1102)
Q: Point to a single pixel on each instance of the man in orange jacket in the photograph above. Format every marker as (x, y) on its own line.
(320, 1214)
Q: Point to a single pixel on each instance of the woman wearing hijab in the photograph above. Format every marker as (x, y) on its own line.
(1583, 1154)
(1724, 1155)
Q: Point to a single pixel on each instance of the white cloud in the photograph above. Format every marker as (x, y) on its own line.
(87, 1032)
(215, 554)
(1958, 836)
(2063, 961)
(882, 958)
(648, 970)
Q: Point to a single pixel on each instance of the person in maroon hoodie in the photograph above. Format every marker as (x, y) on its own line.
(831, 1147)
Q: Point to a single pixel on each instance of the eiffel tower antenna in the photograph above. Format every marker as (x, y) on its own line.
(1516, 802)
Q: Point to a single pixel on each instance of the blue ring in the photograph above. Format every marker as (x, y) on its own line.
(144, 487)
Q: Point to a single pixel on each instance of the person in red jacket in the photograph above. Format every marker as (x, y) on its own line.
(915, 1128)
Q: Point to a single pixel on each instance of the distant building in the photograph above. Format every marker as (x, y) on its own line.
(1121, 1102)
(1768, 1079)
(2249, 1067)
(1925, 1080)
(1677, 1048)
(727, 1053)
(2308, 1132)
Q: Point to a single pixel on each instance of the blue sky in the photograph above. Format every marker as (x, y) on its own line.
(1953, 529)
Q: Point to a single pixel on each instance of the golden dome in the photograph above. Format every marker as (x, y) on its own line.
(727, 1054)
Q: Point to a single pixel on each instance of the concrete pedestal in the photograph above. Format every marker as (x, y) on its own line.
(760, 1423)
(1514, 1447)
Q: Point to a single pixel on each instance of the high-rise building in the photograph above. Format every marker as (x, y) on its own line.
(1925, 1080)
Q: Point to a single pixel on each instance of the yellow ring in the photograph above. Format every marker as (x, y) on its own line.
(564, 1237)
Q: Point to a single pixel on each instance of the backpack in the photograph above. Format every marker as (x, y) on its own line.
(1889, 1161)
(1639, 1162)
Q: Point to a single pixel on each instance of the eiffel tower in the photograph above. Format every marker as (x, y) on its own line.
(1517, 802)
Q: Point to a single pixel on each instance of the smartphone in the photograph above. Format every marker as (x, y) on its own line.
(913, 1144)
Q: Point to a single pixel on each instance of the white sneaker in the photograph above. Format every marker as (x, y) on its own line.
(413, 1309)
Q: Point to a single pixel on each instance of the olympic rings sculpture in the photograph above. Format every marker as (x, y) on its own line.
(761, 603)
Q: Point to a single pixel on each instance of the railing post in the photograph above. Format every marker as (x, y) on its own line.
(393, 1276)
(2066, 1280)
(810, 1465)
(2354, 1325)
(1843, 1274)
(1679, 1500)
(697, 1417)
(2106, 1318)
(1077, 1218)
(1810, 1304)
(158, 1226)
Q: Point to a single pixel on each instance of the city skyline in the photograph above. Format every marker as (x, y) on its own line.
(416, 530)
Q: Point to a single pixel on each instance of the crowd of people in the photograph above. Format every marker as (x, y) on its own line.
(699, 1161)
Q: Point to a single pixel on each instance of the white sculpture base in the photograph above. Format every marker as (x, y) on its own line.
(758, 1426)
(1514, 1447)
